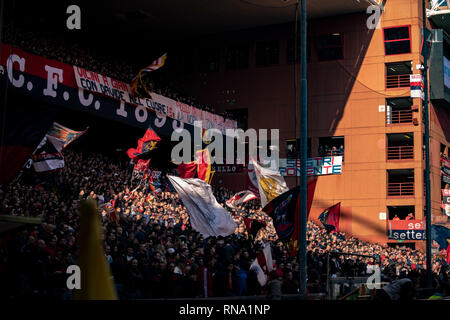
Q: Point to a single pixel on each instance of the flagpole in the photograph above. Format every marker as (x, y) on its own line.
(427, 153)
(303, 151)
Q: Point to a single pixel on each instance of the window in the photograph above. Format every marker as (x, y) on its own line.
(267, 53)
(291, 55)
(331, 146)
(397, 40)
(400, 212)
(237, 57)
(330, 47)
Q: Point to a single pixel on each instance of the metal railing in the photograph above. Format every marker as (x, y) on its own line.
(396, 189)
(333, 153)
(400, 116)
(397, 81)
(400, 152)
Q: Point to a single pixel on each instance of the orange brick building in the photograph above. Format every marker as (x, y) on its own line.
(359, 97)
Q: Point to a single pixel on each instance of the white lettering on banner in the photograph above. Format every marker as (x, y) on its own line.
(138, 111)
(115, 89)
(9, 67)
(85, 101)
(160, 120)
(314, 166)
(53, 76)
(121, 111)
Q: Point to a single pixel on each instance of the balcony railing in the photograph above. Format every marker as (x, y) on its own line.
(397, 189)
(400, 116)
(397, 81)
(400, 153)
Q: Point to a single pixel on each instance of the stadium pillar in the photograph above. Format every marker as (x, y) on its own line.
(303, 151)
(427, 149)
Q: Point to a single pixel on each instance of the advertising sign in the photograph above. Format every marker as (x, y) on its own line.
(406, 230)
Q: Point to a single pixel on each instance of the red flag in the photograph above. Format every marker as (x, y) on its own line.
(146, 143)
(330, 218)
(203, 165)
(253, 226)
(187, 170)
(284, 211)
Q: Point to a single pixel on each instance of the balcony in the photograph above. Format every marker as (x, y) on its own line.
(400, 189)
(397, 74)
(400, 153)
(399, 111)
(400, 146)
(397, 81)
(400, 183)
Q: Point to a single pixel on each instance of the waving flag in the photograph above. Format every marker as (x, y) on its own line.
(240, 197)
(138, 86)
(201, 166)
(48, 155)
(253, 226)
(263, 265)
(145, 144)
(330, 218)
(270, 183)
(206, 215)
(64, 133)
(20, 134)
(440, 234)
(284, 211)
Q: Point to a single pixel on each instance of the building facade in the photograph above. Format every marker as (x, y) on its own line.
(360, 101)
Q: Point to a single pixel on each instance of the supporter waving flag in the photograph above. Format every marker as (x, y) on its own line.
(240, 198)
(330, 218)
(206, 215)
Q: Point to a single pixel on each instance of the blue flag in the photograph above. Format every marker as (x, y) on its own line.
(440, 234)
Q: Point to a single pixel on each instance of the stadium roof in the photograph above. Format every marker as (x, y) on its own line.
(195, 17)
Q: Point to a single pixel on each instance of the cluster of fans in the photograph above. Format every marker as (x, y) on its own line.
(152, 249)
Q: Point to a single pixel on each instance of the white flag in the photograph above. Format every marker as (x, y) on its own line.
(240, 197)
(48, 155)
(270, 183)
(264, 265)
(206, 215)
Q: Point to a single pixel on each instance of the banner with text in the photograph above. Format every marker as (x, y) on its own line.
(406, 230)
(95, 82)
(55, 81)
(314, 167)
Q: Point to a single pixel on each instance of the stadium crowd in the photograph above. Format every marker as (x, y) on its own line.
(152, 250)
(52, 46)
